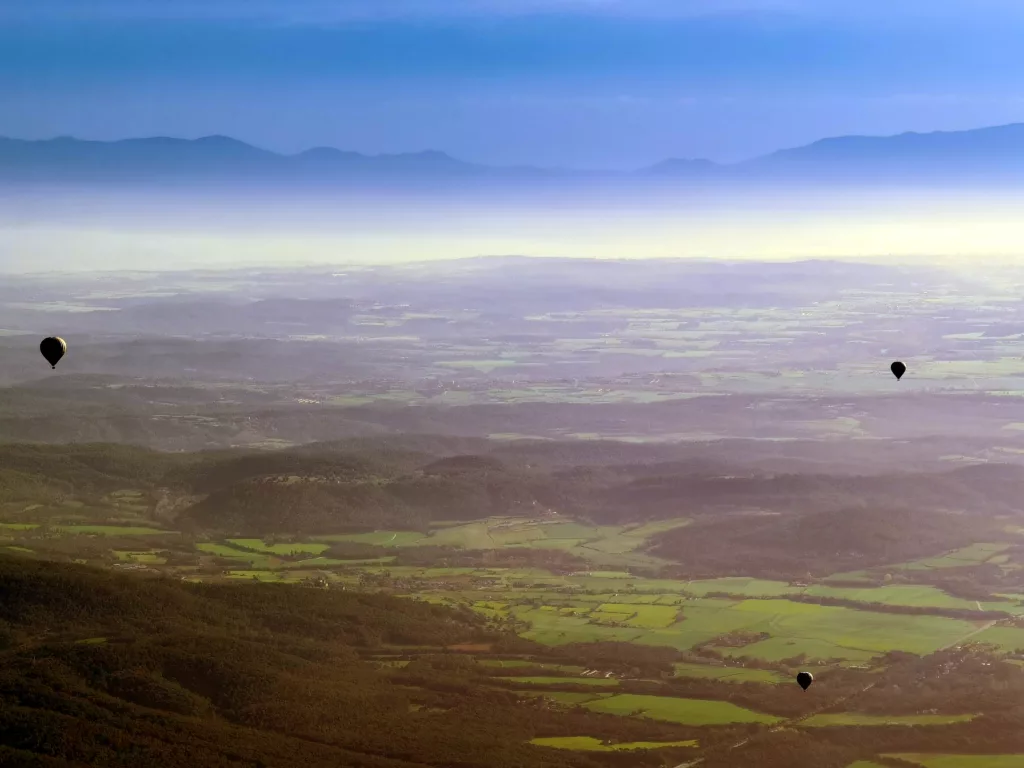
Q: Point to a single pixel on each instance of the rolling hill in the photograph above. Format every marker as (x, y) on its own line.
(781, 525)
(410, 585)
(106, 669)
(818, 543)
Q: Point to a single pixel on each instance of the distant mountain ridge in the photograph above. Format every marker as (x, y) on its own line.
(70, 158)
(995, 153)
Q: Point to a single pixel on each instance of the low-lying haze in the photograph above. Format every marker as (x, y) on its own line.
(86, 230)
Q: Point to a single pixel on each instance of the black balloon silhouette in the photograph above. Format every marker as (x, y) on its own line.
(53, 349)
(805, 679)
(898, 369)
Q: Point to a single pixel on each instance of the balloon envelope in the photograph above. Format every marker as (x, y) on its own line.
(53, 349)
(805, 679)
(898, 369)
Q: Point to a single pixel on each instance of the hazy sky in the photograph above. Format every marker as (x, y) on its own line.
(597, 83)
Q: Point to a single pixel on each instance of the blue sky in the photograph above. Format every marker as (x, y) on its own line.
(581, 83)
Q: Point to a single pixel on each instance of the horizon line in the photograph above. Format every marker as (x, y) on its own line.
(521, 166)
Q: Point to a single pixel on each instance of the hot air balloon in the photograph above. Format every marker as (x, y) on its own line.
(53, 349)
(898, 369)
(805, 679)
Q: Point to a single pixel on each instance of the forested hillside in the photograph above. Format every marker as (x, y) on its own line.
(101, 669)
(778, 524)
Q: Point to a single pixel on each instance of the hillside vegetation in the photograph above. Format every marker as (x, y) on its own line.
(110, 669)
(101, 669)
(648, 605)
(819, 543)
(779, 525)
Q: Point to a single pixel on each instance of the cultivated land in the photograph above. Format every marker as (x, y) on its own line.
(714, 654)
(788, 352)
(628, 518)
(961, 761)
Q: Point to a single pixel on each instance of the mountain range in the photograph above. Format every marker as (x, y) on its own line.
(986, 155)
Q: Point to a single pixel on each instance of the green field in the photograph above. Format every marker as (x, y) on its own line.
(854, 719)
(293, 548)
(111, 530)
(564, 669)
(612, 544)
(638, 614)
(281, 577)
(1007, 639)
(972, 555)
(603, 601)
(149, 556)
(330, 562)
(222, 550)
(590, 744)
(595, 681)
(377, 538)
(607, 602)
(821, 632)
(728, 674)
(262, 562)
(736, 585)
(961, 761)
(568, 698)
(914, 595)
(684, 711)
(850, 628)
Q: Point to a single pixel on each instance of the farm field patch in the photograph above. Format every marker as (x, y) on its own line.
(855, 719)
(568, 698)
(684, 711)
(1007, 639)
(612, 604)
(290, 548)
(972, 555)
(913, 595)
(564, 669)
(595, 681)
(590, 744)
(737, 585)
(819, 632)
(112, 530)
(613, 545)
(376, 538)
(961, 761)
(149, 557)
(728, 674)
(282, 577)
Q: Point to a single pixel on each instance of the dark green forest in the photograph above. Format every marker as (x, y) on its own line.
(100, 668)
(108, 669)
